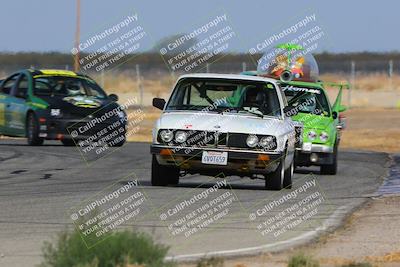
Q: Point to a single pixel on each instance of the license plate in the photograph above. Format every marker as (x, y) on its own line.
(214, 157)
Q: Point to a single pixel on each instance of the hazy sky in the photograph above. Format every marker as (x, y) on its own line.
(49, 25)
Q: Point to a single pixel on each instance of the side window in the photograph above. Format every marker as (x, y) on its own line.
(9, 84)
(21, 89)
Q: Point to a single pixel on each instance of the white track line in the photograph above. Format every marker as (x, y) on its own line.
(242, 251)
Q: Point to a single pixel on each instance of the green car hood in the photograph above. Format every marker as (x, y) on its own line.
(318, 124)
(312, 121)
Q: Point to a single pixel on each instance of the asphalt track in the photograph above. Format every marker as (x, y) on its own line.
(40, 185)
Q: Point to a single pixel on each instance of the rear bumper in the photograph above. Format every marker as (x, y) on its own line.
(242, 163)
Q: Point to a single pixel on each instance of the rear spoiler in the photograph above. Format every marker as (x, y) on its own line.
(344, 85)
(337, 106)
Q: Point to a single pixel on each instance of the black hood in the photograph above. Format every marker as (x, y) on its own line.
(80, 106)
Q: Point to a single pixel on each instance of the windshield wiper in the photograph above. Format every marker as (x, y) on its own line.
(248, 111)
(254, 113)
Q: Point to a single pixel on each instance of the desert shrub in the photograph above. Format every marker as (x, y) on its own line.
(211, 262)
(302, 260)
(117, 250)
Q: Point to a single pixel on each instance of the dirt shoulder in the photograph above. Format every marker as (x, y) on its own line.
(372, 129)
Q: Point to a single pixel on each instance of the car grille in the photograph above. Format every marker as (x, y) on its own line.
(214, 139)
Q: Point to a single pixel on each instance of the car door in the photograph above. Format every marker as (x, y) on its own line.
(5, 102)
(17, 107)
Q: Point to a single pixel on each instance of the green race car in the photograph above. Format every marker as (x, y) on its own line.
(321, 122)
(59, 105)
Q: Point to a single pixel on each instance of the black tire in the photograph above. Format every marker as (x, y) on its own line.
(287, 180)
(119, 143)
(163, 175)
(274, 180)
(68, 142)
(331, 169)
(32, 131)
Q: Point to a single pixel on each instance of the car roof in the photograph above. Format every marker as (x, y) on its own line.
(228, 76)
(307, 84)
(55, 72)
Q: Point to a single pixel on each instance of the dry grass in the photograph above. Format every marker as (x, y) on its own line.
(389, 257)
(127, 83)
(372, 129)
(370, 82)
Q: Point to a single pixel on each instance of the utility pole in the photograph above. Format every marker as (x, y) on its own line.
(390, 74)
(77, 35)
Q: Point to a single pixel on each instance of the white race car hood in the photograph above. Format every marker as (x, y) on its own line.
(223, 122)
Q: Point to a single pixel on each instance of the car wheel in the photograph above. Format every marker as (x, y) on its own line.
(274, 180)
(163, 175)
(32, 131)
(287, 180)
(331, 169)
(68, 142)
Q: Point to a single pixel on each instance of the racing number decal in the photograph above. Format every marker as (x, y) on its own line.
(2, 114)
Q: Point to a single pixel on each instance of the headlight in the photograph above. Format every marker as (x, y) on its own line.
(166, 135)
(312, 135)
(323, 136)
(55, 112)
(180, 136)
(266, 141)
(252, 140)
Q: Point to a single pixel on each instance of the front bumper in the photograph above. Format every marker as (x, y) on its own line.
(240, 162)
(58, 129)
(314, 154)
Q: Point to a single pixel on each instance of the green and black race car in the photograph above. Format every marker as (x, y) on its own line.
(58, 105)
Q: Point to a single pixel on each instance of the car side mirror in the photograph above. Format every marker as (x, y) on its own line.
(113, 97)
(290, 111)
(159, 103)
(334, 115)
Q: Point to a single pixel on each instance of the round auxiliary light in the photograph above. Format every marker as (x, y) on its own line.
(266, 141)
(180, 136)
(252, 140)
(166, 135)
(312, 135)
(324, 136)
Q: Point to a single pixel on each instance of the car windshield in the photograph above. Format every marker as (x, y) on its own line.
(67, 86)
(239, 96)
(307, 100)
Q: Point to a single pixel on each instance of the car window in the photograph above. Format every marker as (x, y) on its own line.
(239, 96)
(94, 90)
(67, 87)
(308, 100)
(8, 84)
(21, 89)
